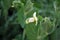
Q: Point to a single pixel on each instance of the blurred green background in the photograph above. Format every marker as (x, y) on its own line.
(14, 13)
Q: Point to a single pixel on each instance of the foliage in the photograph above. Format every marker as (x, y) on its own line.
(47, 15)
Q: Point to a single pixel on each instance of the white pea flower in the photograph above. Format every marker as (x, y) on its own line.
(32, 19)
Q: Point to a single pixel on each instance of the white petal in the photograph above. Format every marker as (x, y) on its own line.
(31, 19)
(34, 14)
(36, 20)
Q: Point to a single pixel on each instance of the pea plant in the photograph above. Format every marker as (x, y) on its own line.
(28, 19)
